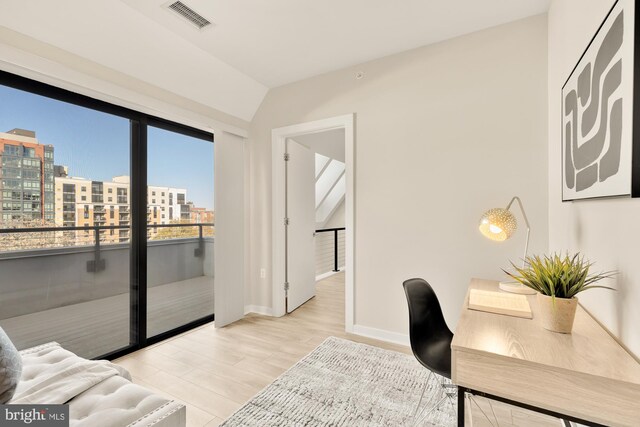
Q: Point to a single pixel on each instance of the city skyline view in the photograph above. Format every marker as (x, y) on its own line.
(95, 145)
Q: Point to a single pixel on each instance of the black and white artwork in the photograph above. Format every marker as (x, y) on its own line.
(597, 112)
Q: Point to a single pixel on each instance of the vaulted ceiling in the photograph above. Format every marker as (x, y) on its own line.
(253, 45)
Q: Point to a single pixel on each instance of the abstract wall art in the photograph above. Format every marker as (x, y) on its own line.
(598, 103)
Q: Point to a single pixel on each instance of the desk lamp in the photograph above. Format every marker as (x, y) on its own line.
(499, 224)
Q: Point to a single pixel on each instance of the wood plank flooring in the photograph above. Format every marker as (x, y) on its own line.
(215, 371)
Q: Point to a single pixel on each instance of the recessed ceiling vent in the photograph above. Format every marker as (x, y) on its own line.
(189, 14)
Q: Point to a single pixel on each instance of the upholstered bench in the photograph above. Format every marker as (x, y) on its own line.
(105, 398)
(118, 402)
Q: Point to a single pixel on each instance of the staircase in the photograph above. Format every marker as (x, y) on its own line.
(330, 188)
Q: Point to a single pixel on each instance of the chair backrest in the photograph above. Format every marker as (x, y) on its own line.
(428, 331)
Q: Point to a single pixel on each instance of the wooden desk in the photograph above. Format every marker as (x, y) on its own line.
(583, 376)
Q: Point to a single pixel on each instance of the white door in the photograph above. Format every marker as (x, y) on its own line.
(300, 210)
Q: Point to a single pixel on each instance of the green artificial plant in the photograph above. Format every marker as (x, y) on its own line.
(558, 276)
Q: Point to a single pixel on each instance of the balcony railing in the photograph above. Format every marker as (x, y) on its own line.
(43, 238)
(329, 241)
(49, 293)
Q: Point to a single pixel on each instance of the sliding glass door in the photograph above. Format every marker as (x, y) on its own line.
(106, 222)
(180, 230)
(64, 250)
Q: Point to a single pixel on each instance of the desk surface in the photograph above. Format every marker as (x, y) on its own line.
(586, 374)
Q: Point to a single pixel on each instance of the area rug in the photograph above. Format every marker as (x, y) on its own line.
(343, 383)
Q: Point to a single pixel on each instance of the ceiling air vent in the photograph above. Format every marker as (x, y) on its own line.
(189, 14)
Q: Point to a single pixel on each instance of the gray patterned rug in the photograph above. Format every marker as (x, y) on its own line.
(343, 383)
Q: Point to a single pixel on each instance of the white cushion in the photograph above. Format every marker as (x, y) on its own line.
(117, 402)
(114, 402)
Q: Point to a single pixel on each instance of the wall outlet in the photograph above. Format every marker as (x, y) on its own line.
(263, 273)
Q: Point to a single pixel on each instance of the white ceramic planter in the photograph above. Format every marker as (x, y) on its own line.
(558, 315)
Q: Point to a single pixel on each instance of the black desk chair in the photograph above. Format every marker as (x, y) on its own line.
(430, 336)
(430, 342)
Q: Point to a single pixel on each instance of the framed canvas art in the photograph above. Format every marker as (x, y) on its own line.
(600, 109)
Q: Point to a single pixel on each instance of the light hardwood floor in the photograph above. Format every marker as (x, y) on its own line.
(215, 371)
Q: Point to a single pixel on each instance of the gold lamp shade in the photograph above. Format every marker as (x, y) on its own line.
(498, 224)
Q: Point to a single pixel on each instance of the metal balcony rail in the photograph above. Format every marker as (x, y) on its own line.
(335, 244)
(70, 237)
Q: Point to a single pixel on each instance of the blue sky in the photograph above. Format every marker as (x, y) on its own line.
(95, 145)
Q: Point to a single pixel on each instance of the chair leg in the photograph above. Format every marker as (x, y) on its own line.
(415, 413)
(426, 384)
(433, 408)
(448, 392)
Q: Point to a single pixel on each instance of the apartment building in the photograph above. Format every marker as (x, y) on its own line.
(201, 215)
(85, 203)
(82, 202)
(166, 205)
(26, 177)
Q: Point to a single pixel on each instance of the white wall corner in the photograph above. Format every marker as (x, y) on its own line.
(258, 309)
(382, 335)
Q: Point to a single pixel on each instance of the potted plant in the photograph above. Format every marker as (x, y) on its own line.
(558, 279)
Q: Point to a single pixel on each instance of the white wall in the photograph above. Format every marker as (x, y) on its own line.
(605, 231)
(34, 59)
(336, 220)
(329, 143)
(443, 133)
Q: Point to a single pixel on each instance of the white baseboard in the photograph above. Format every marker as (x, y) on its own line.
(259, 309)
(328, 274)
(324, 275)
(382, 335)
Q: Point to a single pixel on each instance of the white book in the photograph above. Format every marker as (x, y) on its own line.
(500, 303)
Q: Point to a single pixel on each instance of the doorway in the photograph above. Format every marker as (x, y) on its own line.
(282, 254)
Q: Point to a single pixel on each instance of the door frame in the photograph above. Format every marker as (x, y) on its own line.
(278, 138)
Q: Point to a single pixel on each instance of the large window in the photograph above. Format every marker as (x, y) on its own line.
(73, 251)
